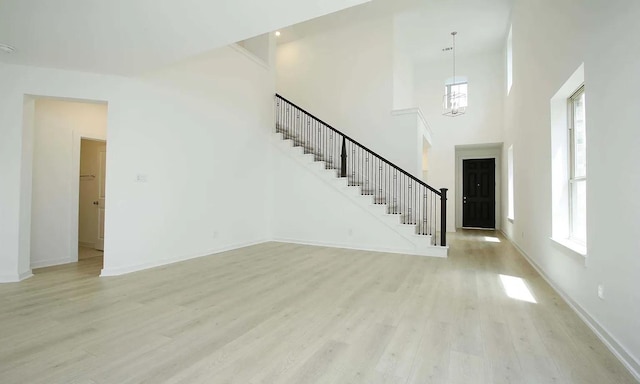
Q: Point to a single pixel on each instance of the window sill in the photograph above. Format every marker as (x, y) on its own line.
(574, 247)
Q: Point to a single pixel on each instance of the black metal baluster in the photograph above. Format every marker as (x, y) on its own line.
(443, 216)
(392, 190)
(353, 164)
(343, 166)
(395, 191)
(380, 182)
(434, 227)
(403, 211)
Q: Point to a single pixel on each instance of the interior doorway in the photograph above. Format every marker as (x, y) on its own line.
(91, 207)
(59, 129)
(478, 193)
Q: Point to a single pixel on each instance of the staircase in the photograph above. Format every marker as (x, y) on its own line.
(409, 200)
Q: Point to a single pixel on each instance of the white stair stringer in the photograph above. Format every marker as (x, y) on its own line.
(411, 243)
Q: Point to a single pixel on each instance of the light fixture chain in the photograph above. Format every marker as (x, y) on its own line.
(454, 58)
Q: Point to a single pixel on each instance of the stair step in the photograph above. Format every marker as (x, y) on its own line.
(322, 158)
(286, 133)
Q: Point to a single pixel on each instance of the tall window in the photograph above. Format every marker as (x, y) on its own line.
(510, 208)
(578, 167)
(510, 60)
(459, 89)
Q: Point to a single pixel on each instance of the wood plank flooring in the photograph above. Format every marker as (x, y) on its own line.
(283, 313)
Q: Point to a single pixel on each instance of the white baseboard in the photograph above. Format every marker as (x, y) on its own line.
(25, 275)
(15, 278)
(50, 263)
(629, 362)
(436, 252)
(106, 272)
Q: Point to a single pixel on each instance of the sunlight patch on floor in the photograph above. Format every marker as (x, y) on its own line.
(516, 288)
(491, 239)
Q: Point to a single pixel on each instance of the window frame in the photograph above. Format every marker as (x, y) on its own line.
(573, 179)
(510, 185)
(447, 92)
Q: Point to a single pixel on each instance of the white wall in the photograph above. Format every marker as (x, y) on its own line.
(603, 35)
(482, 123)
(403, 80)
(196, 131)
(410, 132)
(259, 46)
(344, 76)
(88, 217)
(58, 127)
(204, 161)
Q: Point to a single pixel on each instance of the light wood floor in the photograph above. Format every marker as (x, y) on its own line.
(282, 313)
(87, 253)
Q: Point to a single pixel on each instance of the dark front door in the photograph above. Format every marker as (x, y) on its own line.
(479, 193)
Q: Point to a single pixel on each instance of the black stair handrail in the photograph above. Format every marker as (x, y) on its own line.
(363, 147)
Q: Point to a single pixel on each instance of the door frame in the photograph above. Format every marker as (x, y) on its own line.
(478, 151)
(75, 190)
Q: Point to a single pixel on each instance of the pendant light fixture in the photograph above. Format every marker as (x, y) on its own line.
(454, 102)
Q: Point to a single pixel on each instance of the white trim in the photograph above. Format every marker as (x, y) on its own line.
(571, 245)
(74, 214)
(632, 365)
(15, 278)
(428, 132)
(561, 159)
(52, 262)
(478, 151)
(106, 272)
(511, 214)
(243, 51)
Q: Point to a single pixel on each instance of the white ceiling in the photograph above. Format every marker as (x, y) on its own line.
(131, 36)
(370, 10)
(423, 27)
(481, 25)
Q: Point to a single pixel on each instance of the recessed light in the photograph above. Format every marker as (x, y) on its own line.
(7, 48)
(277, 33)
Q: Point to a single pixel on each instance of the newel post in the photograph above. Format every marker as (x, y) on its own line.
(443, 217)
(343, 156)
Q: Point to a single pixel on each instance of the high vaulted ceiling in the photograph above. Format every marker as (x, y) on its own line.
(132, 36)
(422, 27)
(482, 26)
